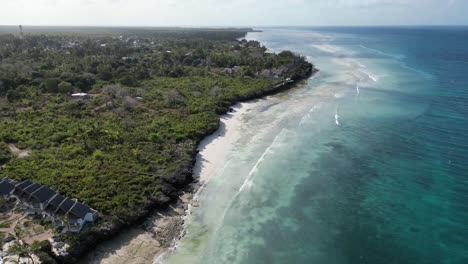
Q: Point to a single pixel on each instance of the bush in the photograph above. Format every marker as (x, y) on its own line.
(85, 81)
(65, 87)
(50, 85)
(5, 154)
(13, 95)
(155, 137)
(46, 258)
(5, 224)
(105, 75)
(128, 80)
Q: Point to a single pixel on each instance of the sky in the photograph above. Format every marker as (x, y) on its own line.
(233, 12)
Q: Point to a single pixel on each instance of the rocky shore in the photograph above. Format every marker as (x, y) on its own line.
(143, 242)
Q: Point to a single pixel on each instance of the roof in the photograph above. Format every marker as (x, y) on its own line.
(57, 200)
(79, 94)
(66, 205)
(22, 185)
(43, 194)
(32, 188)
(79, 210)
(6, 187)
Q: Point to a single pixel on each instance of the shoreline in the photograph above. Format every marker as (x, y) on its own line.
(157, 237)
(162, 229)
(213, 149)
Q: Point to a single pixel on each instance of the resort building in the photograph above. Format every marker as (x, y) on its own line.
(36, 199)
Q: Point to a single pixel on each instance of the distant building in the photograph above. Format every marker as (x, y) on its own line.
(232, 71)
(79, 95)
(227, 71)
(266, 73)
(275, 73)
(236, 69)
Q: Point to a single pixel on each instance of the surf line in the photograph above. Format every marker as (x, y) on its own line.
(248, 181)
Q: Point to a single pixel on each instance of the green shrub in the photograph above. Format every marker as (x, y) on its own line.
(65, 87)
(13, 95)
(5, 154)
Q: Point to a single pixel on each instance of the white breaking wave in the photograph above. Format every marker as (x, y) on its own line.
(327, 48)
(373, 78)
(361, 65)
(339, 95)
(315, 107)
(307, 115)
(398, 57)
(337, 117)
(248, 180)
(333, 49)
(357, 89)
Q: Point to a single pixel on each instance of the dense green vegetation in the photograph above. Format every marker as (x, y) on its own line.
(5, 154)
(152, 96)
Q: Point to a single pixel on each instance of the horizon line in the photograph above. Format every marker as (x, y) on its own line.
(235, 26)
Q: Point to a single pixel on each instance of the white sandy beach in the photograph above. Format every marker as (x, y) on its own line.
(136, 245)
(214, 148)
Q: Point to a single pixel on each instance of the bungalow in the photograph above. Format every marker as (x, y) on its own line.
(30, 189)
(19, 188)
(65, 206)
(41, 197)
(79, 215)
(75, 213)
(6, 189)
(55, 203)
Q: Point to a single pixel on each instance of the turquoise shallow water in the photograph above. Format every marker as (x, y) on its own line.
(365, 164)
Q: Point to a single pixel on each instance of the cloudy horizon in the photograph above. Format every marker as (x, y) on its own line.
(233, 13)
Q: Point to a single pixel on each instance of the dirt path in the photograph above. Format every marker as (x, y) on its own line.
(20, 153)
(13, 220)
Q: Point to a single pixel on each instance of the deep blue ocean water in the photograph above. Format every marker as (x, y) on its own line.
(367, 163)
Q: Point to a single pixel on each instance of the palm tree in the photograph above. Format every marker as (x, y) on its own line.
(16, 249)
(66, 219)
(19, 248)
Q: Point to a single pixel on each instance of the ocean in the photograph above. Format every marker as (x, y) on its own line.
(365, 163)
